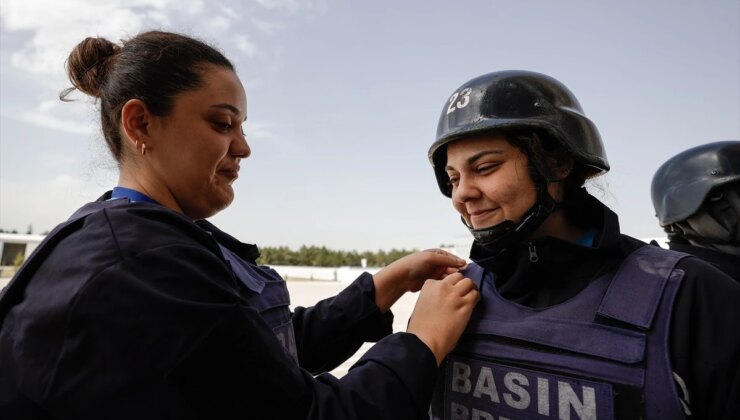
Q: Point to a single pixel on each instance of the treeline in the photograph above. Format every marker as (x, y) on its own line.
(323, 257)
(29, 231)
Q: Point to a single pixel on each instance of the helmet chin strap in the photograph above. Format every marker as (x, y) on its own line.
(499, 237)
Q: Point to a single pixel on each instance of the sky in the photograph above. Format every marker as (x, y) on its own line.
(344, 98)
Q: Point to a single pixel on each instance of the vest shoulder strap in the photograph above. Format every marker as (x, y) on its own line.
(635, 291)
(475, 273)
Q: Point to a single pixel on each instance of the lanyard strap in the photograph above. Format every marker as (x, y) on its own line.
(132, 195)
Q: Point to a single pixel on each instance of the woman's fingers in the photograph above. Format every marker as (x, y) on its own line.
(442, 312)
(465, 285)
(442, 257)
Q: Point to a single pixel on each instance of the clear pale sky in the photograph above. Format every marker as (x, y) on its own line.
(344, 98)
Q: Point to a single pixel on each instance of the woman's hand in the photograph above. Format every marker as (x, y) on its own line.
(408, 274)
(442, 312)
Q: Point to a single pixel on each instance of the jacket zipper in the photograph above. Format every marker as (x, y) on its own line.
(533, 257)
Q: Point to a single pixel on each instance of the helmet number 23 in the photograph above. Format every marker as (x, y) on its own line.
(463, 99)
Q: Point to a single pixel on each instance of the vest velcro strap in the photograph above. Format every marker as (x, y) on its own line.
(592, 339)
(635, 291)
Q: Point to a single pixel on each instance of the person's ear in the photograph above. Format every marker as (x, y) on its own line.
(561, 164)
(135, 120)
(562, 171)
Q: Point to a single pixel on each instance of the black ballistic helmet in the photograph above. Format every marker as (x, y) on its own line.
(682, 183)
(514, 100)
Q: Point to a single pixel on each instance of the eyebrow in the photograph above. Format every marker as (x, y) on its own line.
(234, 110)
(477, 156)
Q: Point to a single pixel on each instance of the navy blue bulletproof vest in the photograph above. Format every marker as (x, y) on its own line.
(269, 296)
(268, 292)
(603, 354)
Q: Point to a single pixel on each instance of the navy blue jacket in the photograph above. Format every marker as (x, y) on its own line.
(135, 313)
(728, 263)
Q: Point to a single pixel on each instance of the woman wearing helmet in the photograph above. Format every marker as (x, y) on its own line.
(576, 320)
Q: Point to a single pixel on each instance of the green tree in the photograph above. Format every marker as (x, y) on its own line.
(323, 257)
(18, 260)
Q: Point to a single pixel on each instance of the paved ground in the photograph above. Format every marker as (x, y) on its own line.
(307, 293)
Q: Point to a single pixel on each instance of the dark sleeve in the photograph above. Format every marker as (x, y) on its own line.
(704, 341)
(331, 331)
(164, 335)
(241, 371)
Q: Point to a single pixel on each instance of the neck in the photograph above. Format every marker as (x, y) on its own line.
(557, 226)
(156, 192)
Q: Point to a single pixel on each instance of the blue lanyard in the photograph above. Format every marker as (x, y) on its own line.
(132, 195)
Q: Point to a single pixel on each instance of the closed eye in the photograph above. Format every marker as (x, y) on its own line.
(453, 181)
(486, 168)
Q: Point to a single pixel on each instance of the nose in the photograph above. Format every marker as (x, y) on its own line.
(239, 146)
(465, 190)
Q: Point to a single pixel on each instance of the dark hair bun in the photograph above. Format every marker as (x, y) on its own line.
(88, 65)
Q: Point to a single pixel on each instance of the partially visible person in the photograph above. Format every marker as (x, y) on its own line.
(139, 308)
(696, 195)
(576, 320)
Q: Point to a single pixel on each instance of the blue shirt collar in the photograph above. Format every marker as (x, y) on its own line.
(132, 195)
(588, 238)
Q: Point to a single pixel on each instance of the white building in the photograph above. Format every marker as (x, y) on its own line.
(12, 245)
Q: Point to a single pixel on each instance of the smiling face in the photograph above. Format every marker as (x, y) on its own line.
(490, 180)
(194, 151)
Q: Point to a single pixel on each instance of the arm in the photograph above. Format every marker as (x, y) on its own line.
(241, 369)
(704, 343)
(331, 331)
(393, 380)
(164, 334)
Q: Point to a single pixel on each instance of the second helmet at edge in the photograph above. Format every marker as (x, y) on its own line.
(683, 182)
(513, 100)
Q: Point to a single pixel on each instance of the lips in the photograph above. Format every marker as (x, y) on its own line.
(231, 172)
(480, 212)
(479, 215)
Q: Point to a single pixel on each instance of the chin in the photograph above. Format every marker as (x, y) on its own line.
(486, 224)
(480, 224)
(222, 203)
(209, 209)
